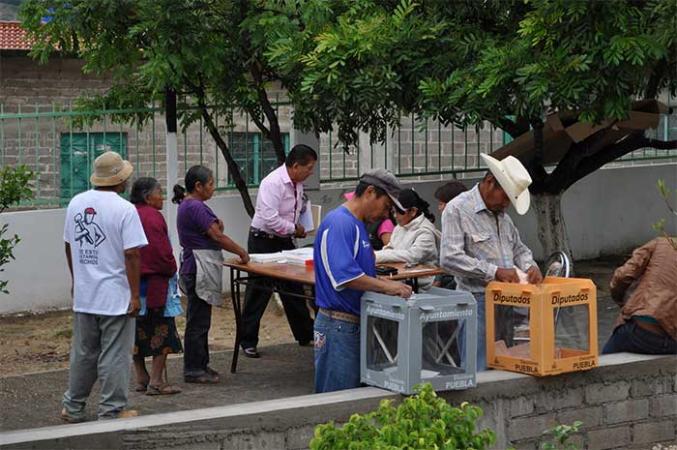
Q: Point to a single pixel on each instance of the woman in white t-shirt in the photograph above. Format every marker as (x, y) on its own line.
(415, 239)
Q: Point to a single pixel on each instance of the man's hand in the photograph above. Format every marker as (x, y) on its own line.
(244, 257)
(507, 275)
(534, 275)
(397, 289)
(299, 231)
(134, 306)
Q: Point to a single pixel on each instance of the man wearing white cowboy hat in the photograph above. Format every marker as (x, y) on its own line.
(480, 243)
(105, 271)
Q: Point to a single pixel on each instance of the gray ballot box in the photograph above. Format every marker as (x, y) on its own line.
(429, 338)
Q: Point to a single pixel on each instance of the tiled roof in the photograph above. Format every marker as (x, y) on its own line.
(13, 37)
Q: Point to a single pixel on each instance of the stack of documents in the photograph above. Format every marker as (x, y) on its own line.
(297, 256)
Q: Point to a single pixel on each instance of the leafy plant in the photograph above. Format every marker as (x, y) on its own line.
(423, 421)
(507, 62)
(13, 189)
(560, 437)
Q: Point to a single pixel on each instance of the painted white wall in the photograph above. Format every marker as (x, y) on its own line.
(38, 278)
(609, 212)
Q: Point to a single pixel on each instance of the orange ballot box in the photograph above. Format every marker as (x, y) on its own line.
(542, 329)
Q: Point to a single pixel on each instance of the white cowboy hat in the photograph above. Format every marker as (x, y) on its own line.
(513, 177)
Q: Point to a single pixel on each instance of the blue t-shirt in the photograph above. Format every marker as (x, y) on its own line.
(342, 253)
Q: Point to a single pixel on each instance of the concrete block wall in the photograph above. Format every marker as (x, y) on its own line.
(628, 402)
(28, 87)
(409, 150)
(623, 405)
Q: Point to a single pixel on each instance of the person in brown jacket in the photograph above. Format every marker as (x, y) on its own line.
(645, 288)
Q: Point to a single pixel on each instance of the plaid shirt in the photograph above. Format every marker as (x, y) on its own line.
(476, 242)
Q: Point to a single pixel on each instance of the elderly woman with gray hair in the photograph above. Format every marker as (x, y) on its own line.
(156, 335)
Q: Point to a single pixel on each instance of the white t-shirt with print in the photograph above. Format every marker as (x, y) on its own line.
(100, 226)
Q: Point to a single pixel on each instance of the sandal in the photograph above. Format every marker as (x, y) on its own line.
(141, 387)
(163, 389)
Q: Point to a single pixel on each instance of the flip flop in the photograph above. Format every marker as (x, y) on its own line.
(141, 387)
(163, 389)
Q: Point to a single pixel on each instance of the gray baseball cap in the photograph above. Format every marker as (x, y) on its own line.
(385, 180)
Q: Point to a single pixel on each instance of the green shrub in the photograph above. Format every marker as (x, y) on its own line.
(423, 421)
(560, 437)
(13, 189)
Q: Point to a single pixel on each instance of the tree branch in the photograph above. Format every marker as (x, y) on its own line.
(654, 82)
(273, 133)
(633, 142)
(512, 127)
(661, 145)
(559, 179)
(233, 168)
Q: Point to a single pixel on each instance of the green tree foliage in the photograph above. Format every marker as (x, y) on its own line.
(210, 52)
(423, 421)
(506, 62)
(13, 189)
(487, 61)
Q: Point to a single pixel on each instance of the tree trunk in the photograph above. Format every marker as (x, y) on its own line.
(233, 168)
(551, 227)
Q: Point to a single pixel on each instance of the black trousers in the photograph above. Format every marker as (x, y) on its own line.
(256, 299)
(198, 322)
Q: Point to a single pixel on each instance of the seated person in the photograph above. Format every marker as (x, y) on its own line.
(379, 231)
(444, 194)
(645, 288)
(415, 239)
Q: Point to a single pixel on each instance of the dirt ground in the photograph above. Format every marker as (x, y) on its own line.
(38, 342)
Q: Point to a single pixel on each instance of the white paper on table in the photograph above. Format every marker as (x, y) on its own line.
(298, 256)
(266, 257)
(303, 252)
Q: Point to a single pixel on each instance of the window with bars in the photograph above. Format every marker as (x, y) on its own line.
(255, 155)
(78, 152)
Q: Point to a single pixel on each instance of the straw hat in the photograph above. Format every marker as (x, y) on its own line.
(110, 170)
(513, 177)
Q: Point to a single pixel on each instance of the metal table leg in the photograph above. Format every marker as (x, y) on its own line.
(237, 311)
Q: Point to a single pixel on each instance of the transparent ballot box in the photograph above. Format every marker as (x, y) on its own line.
(420, 340)
(542, 329)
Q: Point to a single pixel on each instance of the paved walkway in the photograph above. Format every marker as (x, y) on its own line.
(283, 371)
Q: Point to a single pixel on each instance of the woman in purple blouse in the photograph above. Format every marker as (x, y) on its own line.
(198, 229)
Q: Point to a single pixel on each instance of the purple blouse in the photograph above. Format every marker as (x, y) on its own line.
(193, 219)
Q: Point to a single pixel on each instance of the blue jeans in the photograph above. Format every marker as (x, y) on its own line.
(631, 338)
(337, 354)
(481, 334)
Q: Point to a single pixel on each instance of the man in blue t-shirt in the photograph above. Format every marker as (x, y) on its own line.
(345, 267)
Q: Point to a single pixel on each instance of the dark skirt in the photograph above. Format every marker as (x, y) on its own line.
(156, 334)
